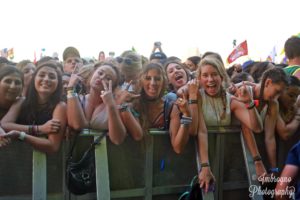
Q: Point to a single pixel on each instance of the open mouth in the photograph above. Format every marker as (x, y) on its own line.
(178, 77)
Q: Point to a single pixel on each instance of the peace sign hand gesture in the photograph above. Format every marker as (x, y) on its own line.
(106, 94)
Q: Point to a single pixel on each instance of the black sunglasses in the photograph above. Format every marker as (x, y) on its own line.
(128, 61)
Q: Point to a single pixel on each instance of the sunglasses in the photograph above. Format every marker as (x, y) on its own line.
(128, 61)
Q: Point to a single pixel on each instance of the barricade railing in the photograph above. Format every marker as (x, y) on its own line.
(148, 191)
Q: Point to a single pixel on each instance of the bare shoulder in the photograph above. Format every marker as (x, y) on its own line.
(60, 107)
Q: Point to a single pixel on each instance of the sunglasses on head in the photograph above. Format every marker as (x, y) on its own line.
(128, 61)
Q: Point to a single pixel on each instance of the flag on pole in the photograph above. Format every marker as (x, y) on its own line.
(240, 50)
(272, 55)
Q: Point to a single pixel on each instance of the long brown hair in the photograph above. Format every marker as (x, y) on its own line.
(142, 104)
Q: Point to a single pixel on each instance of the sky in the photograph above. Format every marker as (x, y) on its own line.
(182, 26)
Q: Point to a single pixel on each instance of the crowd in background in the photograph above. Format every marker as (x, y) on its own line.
(46, 102)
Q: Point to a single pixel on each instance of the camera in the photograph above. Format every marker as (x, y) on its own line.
(157, 44)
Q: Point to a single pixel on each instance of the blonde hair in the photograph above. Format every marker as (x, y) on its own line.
(218, 65)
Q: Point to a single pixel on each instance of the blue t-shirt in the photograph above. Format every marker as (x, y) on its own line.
(293, 158)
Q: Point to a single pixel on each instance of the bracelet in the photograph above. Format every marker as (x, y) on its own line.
(71, 94)
(184, 125)
(30, 128)
(186, 120)
(250, 105)
(206, 164)
(257, 158)
(274, 170)
(193, 101)
(123, 107)
(70, 88)
(22, 136)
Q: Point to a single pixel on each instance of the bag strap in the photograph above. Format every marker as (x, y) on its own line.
(93, 144)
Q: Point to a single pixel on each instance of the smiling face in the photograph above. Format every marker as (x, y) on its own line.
(152, 83)
(176, 75)
(210, 80)
(103, 73)
(46, 80)
(11, 87)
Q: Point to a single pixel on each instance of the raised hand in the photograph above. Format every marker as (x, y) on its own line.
(106, 94)
(243, 94)
(182, 104)
(123, 96)
(193, 89)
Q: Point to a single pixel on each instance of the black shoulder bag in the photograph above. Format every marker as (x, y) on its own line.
(81, 175)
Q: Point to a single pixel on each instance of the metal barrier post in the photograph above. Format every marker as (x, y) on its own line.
(39, 176)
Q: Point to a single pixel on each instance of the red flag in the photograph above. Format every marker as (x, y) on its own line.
(240, 50)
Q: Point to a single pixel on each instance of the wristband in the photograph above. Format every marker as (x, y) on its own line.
(274, 170)
(123, 107)
(71, 94)
(185, 120)
(250, 105)
(193, 101)
(206, 164)
(256, 158)
(22, 136)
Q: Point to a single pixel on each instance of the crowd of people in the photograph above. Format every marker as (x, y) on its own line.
(45, 102)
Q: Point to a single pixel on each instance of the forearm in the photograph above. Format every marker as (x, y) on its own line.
(180, 139)
(116, 128)
(45, 145)
(256, 124)
(9, 126)
(194, 114)
(270, 144)
(250, 141)
(285, 130)
(132, 125)
(203, 147)
(75, 114)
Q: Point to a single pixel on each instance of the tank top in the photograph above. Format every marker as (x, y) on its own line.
(212, 108)
(99, 118)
